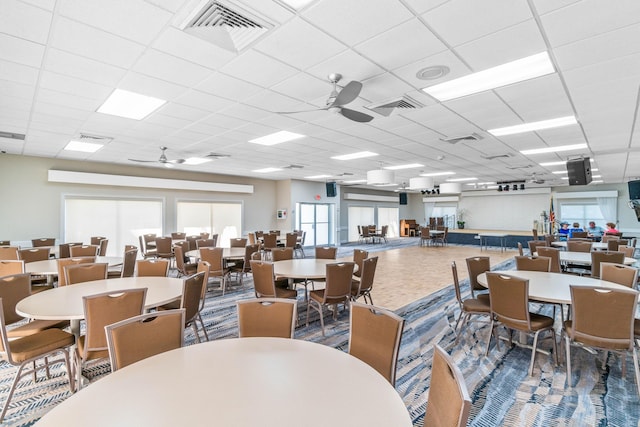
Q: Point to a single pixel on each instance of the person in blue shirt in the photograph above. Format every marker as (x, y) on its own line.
(564, 230)
(595, 231)
(576, 227)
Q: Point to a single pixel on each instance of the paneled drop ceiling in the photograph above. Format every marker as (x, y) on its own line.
(61, 59)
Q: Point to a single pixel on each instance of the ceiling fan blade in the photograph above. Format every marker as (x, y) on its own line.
(176, 161)
(356, 116)
(143, 161)
(347, 94)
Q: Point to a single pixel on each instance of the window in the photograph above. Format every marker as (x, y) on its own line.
(224, 219)
(389, 216)
(581, 212)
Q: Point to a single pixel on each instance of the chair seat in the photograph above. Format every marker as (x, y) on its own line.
(173, 305)
(318, 296)
(286, 293)
(473, 305)
(91, 355)
(539, 321)
(35, 327)
(484, 298)
(608, 343)
(33, 346)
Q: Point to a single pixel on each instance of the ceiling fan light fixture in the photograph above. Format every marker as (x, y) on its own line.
(450, 188)
(421, 183)
(380, 177)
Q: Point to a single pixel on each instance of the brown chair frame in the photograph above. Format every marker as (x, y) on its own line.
(267, 317)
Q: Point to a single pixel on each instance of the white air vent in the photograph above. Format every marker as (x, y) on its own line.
(497, 156)
(463, 138)
(404, 103)
(225, 24)
(293, 167)
(520, 167)
(11, 135)
(85, 137)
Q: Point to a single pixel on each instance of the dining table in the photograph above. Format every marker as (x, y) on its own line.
(227, 253)
(240, 382)
(596, 246)
(49, 267)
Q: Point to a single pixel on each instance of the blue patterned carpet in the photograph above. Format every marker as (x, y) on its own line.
(501, 390)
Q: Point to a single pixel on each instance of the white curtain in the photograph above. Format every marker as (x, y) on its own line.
(609, 208)
(428, 210)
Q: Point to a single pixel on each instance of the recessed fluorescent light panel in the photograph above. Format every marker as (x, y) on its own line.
(437, 174)
(196, 161)
(554, 149)
(530, 127)
(352, 156)
(317, 176)
(85, 147)
(277, 138)
(130, 104)
(502, 75)
(563, 162)
(461, 179)
(409, 166)
(296, 4)
(267, 170)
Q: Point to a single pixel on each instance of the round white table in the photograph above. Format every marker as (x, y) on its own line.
(65, 303)
(584, 258)
(551, 287)
(50, 266)
(238, 382)
(227, 253)
(302, 268)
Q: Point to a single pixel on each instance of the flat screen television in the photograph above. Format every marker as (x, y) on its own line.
(332, 189)
(403, 198)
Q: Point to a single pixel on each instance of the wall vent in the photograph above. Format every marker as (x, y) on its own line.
(226, 25)
(11, 135)
(463, 138)
(293, 167)
(520, 167)
(497, 156)
(387, 108)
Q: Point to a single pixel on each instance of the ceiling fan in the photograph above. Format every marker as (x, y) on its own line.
(163, 159)
(535, 180)
(339, 98)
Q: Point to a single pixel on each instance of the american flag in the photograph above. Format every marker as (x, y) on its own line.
(552, 217)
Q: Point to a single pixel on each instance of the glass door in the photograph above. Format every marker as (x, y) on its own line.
(316, 219)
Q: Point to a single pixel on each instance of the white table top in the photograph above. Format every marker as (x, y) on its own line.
(551, 287)
(226, 253)
(50, 266)
(493, 234)
(436, 232)
(303, 268)
(595, 245)
(65, 303)
(584, 258)
(238, 382)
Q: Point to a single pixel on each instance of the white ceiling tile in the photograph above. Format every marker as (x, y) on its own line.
(421, 6)
(204, 101)
(257, 68)
(546, 6)
(170, 5)
(166, 67)
(25, 21)
(193, 49)
(609, 71)
(350, 64)
(286, 45)
(168, 120)
(150, 86)
(357, 20)
(182, 111)
(21, 51)
(83, 68)
(74, 86)
(272, 102)
(121, 17)
(16, 90)
(460, 21)
(228, 87)
(304, 87)
(269, 10)
(245, 112)
(456, 67)
(384, 87)
(18, 73)
(86, 41)
(63, 99)
(485, 110)
(401, 45)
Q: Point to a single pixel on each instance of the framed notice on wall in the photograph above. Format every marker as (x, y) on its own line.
(281, 214)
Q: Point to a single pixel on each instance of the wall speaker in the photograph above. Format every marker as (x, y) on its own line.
(634, 190)
(579, 171)
(403, 198)
(332, 189)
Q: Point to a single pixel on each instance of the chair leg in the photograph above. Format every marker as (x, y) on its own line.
(11, 391)
(567, 351)
(533, 352)
(635, 367)
(206, 335)
(195, 331)
(491, 329)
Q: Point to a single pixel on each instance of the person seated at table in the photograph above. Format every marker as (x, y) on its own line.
(574, 228)
(611, 228)
(595, 231)
(564, 230)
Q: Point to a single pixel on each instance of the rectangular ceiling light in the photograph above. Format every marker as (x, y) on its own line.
(533, 126)
(352, 156)
(437, 174)
(131, 105)
(555, 149)
(461, 179)
(267, 170)
(502, 75)
(317, 176)
(563, 162)
(196, 161)
(409, 166)
(276, 138)
(296, 4)
(85, 147)
(355, 181)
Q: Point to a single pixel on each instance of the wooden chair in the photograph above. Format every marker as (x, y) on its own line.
(152, 267)
(604, 256)
(80, 273)
(84, 250)
(64, 249)
(326, 252)
(425, 236)
(101, 310)
(194, 290)
(441, 238)
(613, 244)
(292, 240)
(579, 246)
(520, 250)
(475, 266)
(267, 317)
(139, 337)
(214, 256)
(362, 288)
(9, 253)
(510, 308)
(243, 266)
(95, 240)
(629, 251)
(34, 254)
(205, 243)
(580, 234)
(299, 248)
(359, 255)
(554, 254)
(468, 307)
(164, 249)
(264, 282)
(607, 237)
(449, 403)
(618, 273)
(184, 268)
(47, 241)
(128, 267)
(12, 266)
(535, 244)
(24, 352)
(269, 242)
(65, 262)
(603, 318)
(533, 263)
(374, 338)
(176, 235)
(146, 250)
(337, 290)
(238, 242)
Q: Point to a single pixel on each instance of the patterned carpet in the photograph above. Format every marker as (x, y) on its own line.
(500, 388)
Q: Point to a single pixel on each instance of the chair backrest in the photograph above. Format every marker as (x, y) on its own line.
(47, 241)
(612, 245)
(163, 245)
(148, 238)
(270, 241)
(449, 403)
(14, 288)
(267, 317)
(9, 252)
(107, 308)
(425, 233)
(603, 317)
(204, 235)
(238, 242)
(292, 240)
(276, 232)
(263, 280)
(176, 235)
(192, 293)
(214, 257)
(65, 262)
(178, 251)
(533, 263)
(252, 238)
(509, 297)
(374, 338)
(146, 335)
(535, 233)
(456, 283)
(365, 231)
(535, 244)
(95, 240)
(205, 243)
(11, 266)
(259, 234)
(338, 287)
(130, 247)
(549, 238)
(84, 250)
(607, 237)
(579, 246)
(102, 251)
(192, 242)
(520, 250)
(129, 263)
(5, 242)
(580, 234)
(281, 254)
(79, 273)
(618, 273)
(554, 254)
(326, 252)
(64, 249)
(368, 273)
(475, 266)
(214, 237)
(629, 251)
(34, 254)
(152, 267)
(604, 256)
(249, 250)
(359, 255)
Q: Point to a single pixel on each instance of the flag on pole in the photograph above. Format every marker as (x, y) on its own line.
(552, 218)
